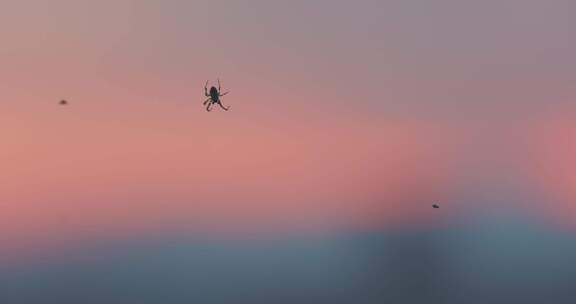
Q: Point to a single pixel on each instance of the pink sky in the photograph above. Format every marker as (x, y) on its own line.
(350, 118)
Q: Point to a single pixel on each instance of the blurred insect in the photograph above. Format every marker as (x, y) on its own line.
(63, 102)
(213, 97)
(435, 206)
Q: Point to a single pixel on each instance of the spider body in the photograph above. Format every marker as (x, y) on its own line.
(214, 94)
(213, 97)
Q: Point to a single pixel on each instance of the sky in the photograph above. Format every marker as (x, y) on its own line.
(345, 117)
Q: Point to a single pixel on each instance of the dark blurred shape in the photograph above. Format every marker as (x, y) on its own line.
(63, 102)
(409, 267)
(435, 206)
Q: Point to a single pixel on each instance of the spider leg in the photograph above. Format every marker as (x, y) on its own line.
(224, 94)
(223, 107)
(218, 84)
(206, 101)
(206, 89)
(208, 107)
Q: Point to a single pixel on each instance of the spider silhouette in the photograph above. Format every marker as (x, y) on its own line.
(213, 97)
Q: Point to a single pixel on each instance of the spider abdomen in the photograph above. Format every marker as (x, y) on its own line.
(214, 94)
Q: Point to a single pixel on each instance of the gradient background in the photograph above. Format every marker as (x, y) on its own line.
(348, 120)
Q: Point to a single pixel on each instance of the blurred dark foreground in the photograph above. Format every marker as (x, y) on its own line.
(485, 262)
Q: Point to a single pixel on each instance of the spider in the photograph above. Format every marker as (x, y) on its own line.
(213, 97)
